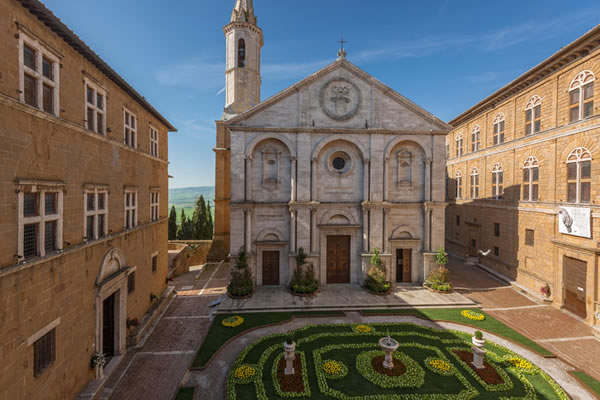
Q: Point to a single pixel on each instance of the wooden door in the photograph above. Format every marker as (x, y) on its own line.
(108, 326)
(403, 265)
(575, 273)
(270, 269)
(338, 259)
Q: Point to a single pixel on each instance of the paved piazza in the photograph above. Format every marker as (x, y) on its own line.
(157, 368)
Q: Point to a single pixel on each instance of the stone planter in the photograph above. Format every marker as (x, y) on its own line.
(389, 346)
(240, 297)
(289, 355)
(478, 352)
(313, 294)
(440, 291)
(99, 370)
(479, 343)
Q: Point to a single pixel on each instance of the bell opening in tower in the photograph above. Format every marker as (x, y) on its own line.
(241, 53)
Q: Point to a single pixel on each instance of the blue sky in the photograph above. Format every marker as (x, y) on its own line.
(443, 55)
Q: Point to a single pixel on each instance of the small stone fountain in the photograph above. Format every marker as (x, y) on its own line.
(289, 348)
(389, 346)
(478, 351)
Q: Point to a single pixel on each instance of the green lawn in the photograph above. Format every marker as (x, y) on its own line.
(490, 324)
(254, 373)
(587, 380)
(219, 334)
(185, 393)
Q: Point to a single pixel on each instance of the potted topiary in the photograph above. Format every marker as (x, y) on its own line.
(289, 348)
(240, 285)
(478, 340)
(377, 282)
(304, 283)
(438, 281)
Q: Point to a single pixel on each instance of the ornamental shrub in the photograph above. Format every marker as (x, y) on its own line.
(304, 280)
(439, 279)
(240, 283)
(478, 335)
(377, 275)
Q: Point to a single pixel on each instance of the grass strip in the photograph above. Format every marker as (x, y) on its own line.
(588, 381)
(218, 334)
(489, 324)
(185, 393)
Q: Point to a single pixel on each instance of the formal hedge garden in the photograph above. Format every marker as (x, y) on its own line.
(344, 362)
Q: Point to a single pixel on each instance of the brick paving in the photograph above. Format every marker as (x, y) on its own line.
(545, 325)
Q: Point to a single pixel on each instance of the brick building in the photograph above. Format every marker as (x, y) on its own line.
(520, 168)
(83, 206)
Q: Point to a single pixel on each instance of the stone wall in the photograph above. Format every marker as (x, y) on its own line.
(192, 252)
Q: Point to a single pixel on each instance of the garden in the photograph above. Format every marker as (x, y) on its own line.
(352, 361)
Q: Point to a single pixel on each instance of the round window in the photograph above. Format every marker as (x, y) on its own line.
(339, 163)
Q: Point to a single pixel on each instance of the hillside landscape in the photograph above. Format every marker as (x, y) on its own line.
(185, 198)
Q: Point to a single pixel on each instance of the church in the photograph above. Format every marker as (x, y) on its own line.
(338, 164)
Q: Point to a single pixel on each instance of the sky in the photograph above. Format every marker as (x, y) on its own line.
(444, 55)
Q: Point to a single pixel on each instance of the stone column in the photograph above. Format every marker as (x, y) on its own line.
(313, 180)
(314, 244)
(292, 230)
(248, 178)
(427, 225)
(293, 180)
(248, 233)
(365, 230)
(384, 244)
(366, 181)
(385, 179)
(428, 179)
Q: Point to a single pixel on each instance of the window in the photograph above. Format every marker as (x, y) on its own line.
(529, 237)
(154, 203)
(581, 96)
(40, 223)
(533, 115)
(458, 220)
(459, 185)
(241, 53)
(531, 176)
(129, 129)
(44, 352)
(95, 100)
(497, 181)
(154, 263)
(499, 129)
(475, 138)
(496, 251)
(95, 213)
(39, 76)
(131, 283)
(153, 141)
(130, 209)
(475, 183)
(447, 149)
(496, 229)
(579, 176)
(459, 144)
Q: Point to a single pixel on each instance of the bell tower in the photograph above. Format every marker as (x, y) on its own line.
(242, 72)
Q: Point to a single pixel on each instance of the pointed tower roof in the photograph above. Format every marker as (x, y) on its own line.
(243, 12)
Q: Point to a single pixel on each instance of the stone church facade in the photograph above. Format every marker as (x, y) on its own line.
(338, 164)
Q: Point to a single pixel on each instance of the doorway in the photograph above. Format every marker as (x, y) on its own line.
(338, 259)
(270, 265)
(403, 265)
(575, 273)
(108, 326)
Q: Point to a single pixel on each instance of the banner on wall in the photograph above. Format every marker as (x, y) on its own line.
(575, 221)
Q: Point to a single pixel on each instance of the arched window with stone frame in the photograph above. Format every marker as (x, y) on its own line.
(497, 181)
(458, 185)
(241, 53)
(579, 175)
(459, 144)
(533, 115)
(475, 138)
(405, 168)
(581, 96)
(499, 126)
(475, 183)
(531, 177)
(271, 157)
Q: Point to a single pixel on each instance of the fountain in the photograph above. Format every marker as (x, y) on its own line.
(389, 346)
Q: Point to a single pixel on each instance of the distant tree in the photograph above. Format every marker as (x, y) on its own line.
(186, 228)
(211, 227)
(200, 220)
(173, 224)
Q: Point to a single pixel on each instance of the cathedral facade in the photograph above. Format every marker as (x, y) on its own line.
(338, 164)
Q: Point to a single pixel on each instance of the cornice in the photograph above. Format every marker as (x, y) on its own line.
(371, 131)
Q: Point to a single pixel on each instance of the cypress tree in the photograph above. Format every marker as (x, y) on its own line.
(199, 220)
(182, 231)
(210, 225)
(173, 224)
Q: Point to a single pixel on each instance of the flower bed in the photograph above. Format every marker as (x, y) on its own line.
(472, 315)
(407, 372)
(295, 385)
(334, 369)
(232, 322)
(362, 329)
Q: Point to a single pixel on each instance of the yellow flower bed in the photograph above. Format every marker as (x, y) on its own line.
(362, 328)
(232, 322)
(332, 368)
(520, 363)
(440, 365)
(244, 372)
(472, 315)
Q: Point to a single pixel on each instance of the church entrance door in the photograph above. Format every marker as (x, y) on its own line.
(108, 326)
(338, 259)
(403, 265)
(270, 267)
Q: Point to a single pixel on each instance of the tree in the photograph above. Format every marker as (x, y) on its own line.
(173, 224)
(240, 284)
(200, 220)
(211, 228)
(186, 228)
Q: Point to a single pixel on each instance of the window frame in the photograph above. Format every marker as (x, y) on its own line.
(40, 221)
(458, 177)
(459, 144)
(447, 149)
(45, 348)
(130, 214)
(533, 104)
(130, 126)
(581, 81)
(476, 138)
(41, 52)
(97, 90)
(499, 127)
(154, 205)
(95, 213)
(154, 141)
(497, 181)
(578, 156)
(475, 183)
(531, 164)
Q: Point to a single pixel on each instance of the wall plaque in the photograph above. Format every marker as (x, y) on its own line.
(340, 99)
(575, 221)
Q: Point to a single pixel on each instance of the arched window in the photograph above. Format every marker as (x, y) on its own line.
(499, 129)
(475, 183)
(579, 175)
(475, 138)
(459, 144)
(497, 181)
(458, 185)
(241, 53)
(531, 176)
(533, 115)
(581, 96)
(447, 149)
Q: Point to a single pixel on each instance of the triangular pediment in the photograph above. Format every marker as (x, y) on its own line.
(340, 96)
